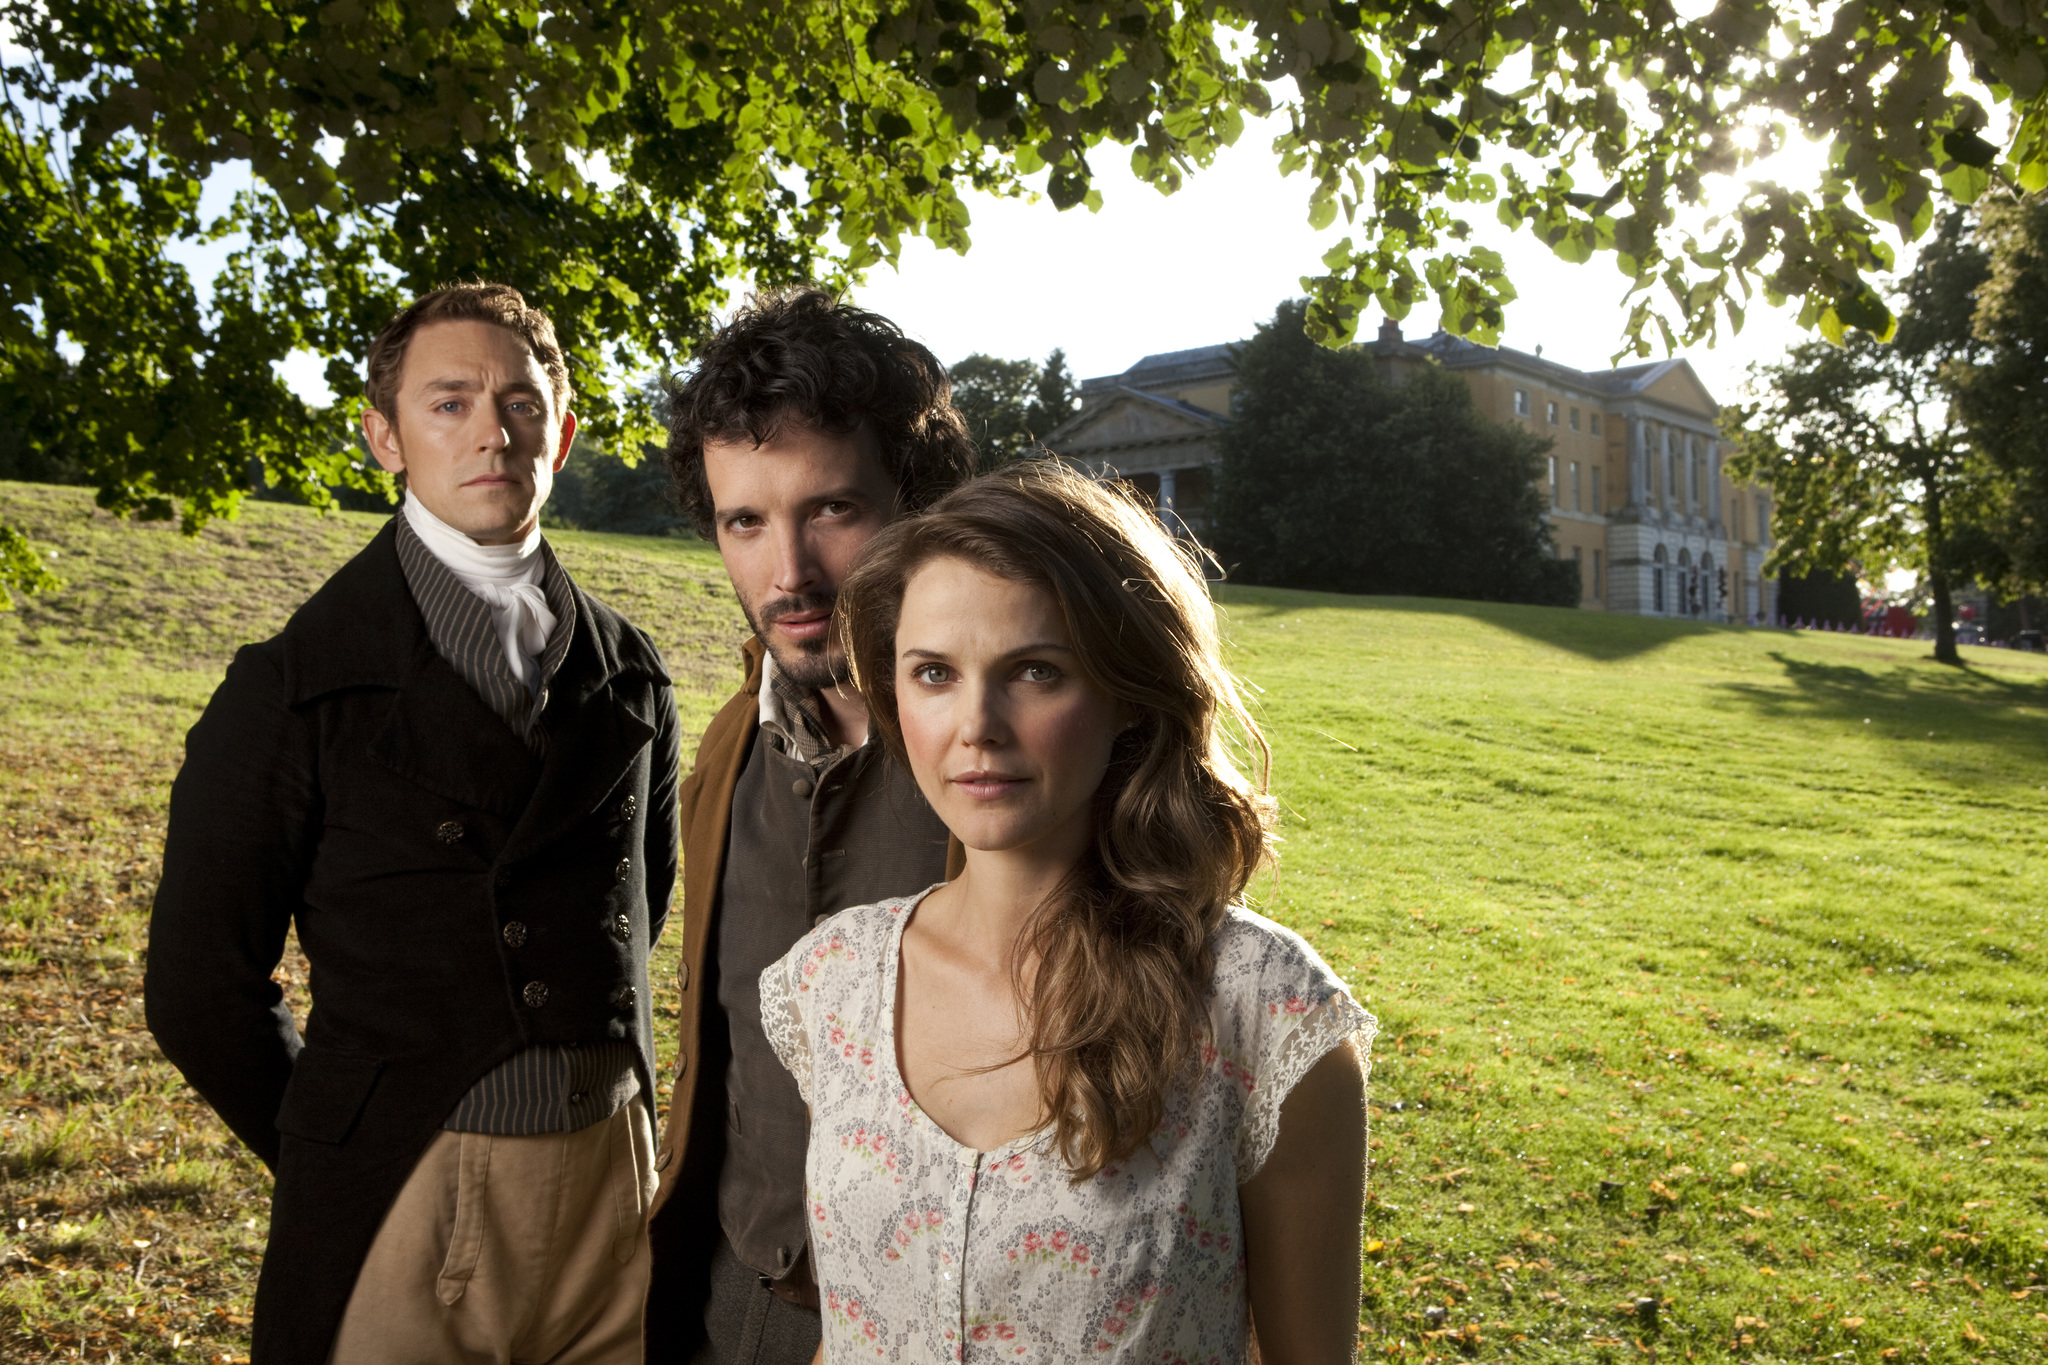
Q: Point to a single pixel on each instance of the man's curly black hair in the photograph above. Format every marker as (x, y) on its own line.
(803, 356)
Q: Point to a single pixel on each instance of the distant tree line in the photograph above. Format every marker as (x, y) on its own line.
(1335, 478)
(1011, 406)
(1925, 447)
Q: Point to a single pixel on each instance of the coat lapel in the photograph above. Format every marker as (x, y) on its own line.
(363, 629)
(442, 736)
(599, 717)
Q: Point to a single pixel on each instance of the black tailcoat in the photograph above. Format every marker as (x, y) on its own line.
(345, 777)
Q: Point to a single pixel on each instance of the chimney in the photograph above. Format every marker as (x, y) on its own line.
(1390, 331)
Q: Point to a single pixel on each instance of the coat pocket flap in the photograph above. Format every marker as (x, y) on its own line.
(327, 1091)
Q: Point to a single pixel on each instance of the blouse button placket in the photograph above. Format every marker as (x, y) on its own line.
(954, 1277)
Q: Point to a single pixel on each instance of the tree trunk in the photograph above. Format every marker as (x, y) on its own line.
(1944, 620)
(1937, 577)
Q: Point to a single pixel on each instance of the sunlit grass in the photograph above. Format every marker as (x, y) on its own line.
(1707, 960)
(1708, 964)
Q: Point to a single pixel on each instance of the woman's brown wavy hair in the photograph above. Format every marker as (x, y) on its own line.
(1119, 958)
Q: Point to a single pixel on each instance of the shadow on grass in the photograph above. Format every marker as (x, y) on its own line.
(1910, 702)
(1598, 635)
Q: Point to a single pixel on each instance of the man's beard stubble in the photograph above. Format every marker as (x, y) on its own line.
(816, 665)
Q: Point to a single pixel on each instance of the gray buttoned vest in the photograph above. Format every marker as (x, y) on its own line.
(803, 844)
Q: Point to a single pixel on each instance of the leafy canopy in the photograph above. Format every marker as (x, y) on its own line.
(2005, 394)
(621, 162)
(1868, 455)
(1335, 479)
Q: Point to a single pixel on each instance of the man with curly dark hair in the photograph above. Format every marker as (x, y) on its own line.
(806, 426)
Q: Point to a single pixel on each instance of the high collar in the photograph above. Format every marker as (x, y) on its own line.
(363, 629)
(520, 562)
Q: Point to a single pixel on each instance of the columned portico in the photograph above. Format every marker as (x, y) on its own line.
(1635, 488)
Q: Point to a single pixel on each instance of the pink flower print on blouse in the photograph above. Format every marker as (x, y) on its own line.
(1124, 1314)
(994, 1256)
(1233, 1069)
(874, 1148)
(1210, 1234)
(834, 946)
(993, 1330)
(849, 1310)
(1055, 1246)
(914, 1223)
(849, 1045)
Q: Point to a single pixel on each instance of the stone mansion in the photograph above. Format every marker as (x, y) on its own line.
(1636, 490)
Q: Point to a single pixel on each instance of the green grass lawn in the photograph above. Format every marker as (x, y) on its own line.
(1706, 959)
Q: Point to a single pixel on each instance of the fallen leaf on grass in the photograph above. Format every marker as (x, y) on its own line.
(1763, 1215)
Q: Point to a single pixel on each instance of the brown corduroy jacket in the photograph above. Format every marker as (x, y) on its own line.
(685, 1214)
(704, 808)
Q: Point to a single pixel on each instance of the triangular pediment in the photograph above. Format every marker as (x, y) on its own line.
(1679, 386)
(1131, 418)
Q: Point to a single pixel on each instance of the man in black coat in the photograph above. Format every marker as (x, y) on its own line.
(456, 774)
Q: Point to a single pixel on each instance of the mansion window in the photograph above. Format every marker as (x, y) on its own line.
(1596, 424)
(1575, 487)
(1575, 419)
(1551, 412)
(1596, 492)
(1553, 481)
(1521, 402)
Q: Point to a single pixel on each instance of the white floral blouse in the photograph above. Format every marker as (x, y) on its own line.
(928, 1251)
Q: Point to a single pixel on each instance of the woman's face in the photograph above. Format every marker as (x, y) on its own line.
(1007, 736)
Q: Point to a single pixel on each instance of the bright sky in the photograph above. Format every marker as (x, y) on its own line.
(1162, 273)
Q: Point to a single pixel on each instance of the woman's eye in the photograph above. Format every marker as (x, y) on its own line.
(1039, 673)
(931, 675)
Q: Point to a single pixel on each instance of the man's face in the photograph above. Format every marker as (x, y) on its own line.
(474, 429)
(792, 515)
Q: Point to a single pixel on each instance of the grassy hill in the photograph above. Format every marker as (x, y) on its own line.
(1707, 960)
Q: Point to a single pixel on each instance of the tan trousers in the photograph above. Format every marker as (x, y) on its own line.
(511, 1251)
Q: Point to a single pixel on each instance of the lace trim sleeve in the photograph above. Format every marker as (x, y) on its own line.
(1321, 1029)
(783, 1021)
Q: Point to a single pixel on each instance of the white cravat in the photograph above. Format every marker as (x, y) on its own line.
(507, 577)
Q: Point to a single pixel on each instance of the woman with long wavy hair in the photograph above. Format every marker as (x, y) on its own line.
(1078, 1102)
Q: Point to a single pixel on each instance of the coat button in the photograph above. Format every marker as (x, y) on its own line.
(515, 937)
(623, 997)
(578, 1096)
(535, 995)
(802, 786)
(622, 928)
(623, 870)
(682, 976)
(449, 831)
(502, 878)
(663, 1157)
(682, 1065)
(628, 807)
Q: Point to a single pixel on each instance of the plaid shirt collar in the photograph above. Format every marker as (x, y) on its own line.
(793, 718)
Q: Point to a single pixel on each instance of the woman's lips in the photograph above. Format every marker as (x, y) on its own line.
(986, 786)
